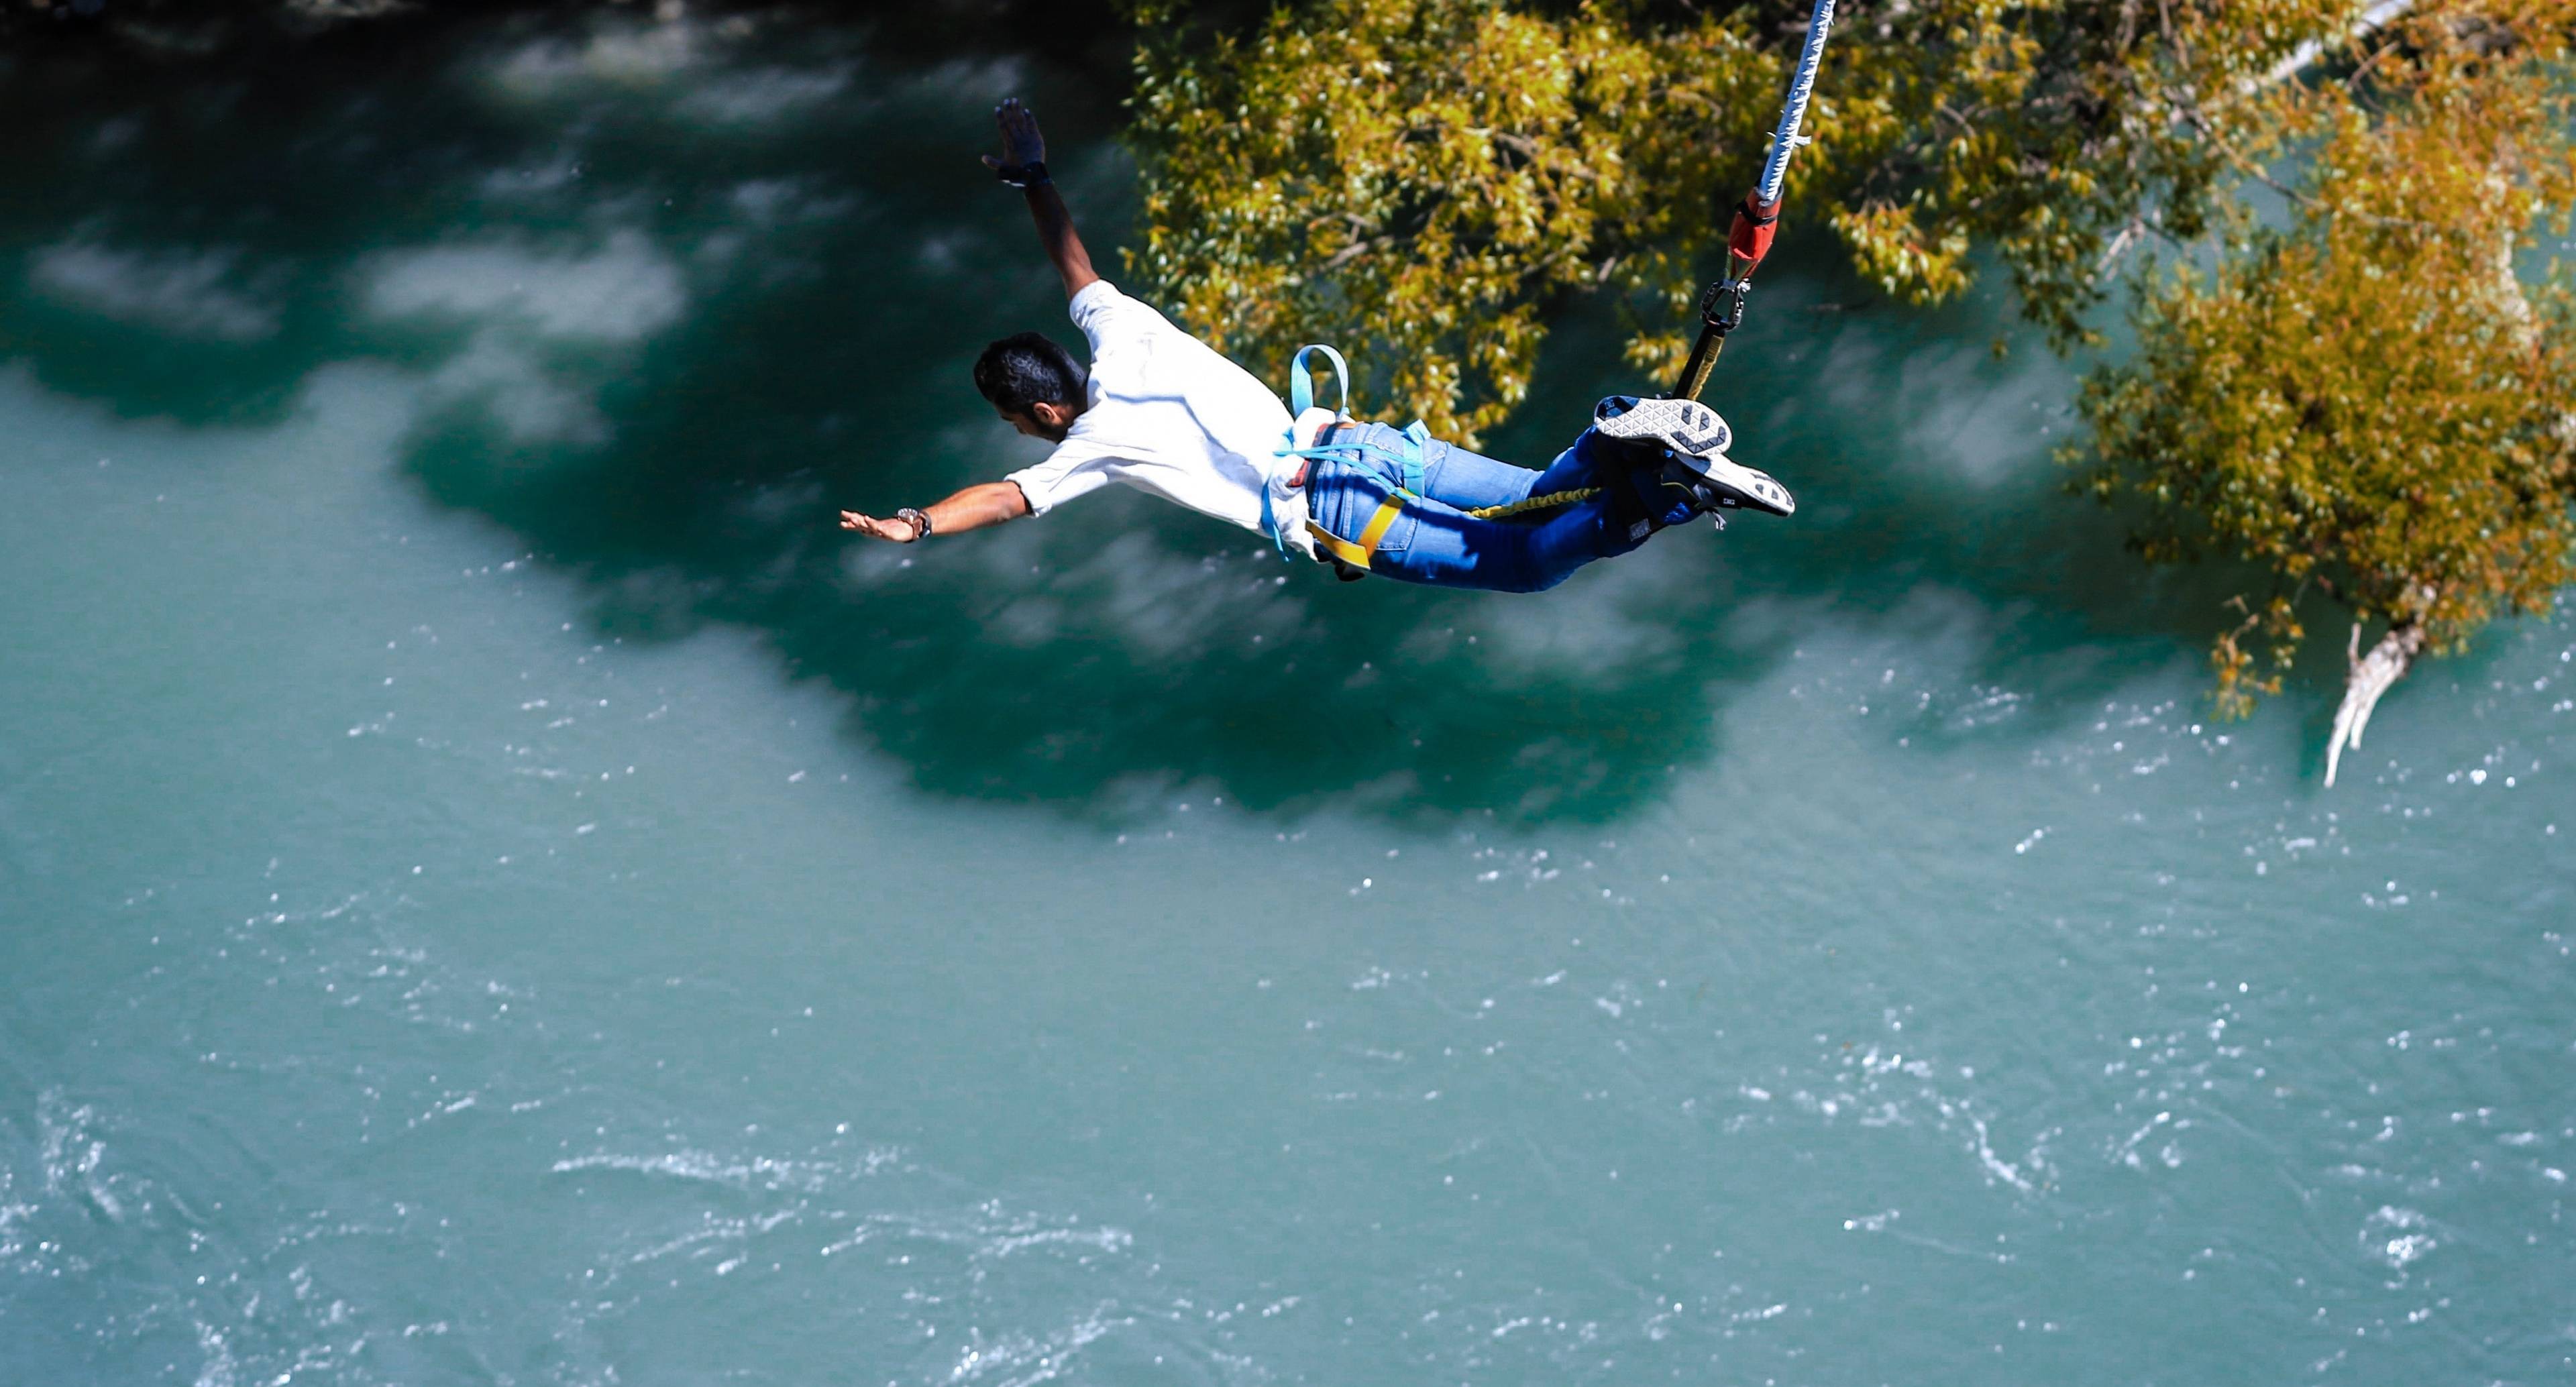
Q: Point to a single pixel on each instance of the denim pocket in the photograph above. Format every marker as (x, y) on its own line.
(1399, 536)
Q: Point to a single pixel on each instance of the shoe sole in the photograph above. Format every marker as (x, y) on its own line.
(1685, 426)
(1696, 436)
(1737, 485)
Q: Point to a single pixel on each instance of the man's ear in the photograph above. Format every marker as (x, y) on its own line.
(1052, 415)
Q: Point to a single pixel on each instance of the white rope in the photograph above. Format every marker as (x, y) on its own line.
(1775, 169)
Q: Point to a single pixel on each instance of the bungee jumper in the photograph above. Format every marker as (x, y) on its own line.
(1163, 412)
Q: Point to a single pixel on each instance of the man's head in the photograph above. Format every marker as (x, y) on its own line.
(1036, 385)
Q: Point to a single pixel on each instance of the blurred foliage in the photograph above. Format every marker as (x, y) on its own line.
(1419, 175)
(2370, 401)
(2367, 399)
(1423, 175)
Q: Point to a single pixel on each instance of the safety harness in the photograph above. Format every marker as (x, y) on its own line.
(1399, 467)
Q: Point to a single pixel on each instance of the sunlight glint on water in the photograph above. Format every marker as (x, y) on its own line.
(493, 888)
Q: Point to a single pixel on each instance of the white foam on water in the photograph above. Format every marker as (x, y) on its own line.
(731, 1232)
(195, 293)
(1956, 417)
(220, 1368)
(621, 289)
(1604, 626)
(986, 1232)
(73, 1154)
(764, 1172)
(761, 96)
(14, 1216)
(694, 71)
(1032, 1294)
(617, 54)
(1025, 1360)
(2398, 1237)
(531, 405)
(782, 201)
(527, 303)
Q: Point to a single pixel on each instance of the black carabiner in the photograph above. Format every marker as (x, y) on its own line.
(1730, 293)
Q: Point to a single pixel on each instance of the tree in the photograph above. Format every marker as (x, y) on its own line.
(1422, 175)
(2366, 400)
(1425, 175)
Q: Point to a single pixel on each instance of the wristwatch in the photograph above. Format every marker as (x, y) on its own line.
(1027, 175)
(919, 520)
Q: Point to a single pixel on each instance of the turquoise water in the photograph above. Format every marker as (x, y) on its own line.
(493, 888)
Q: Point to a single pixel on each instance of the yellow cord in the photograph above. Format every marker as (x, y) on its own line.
(1553, 498)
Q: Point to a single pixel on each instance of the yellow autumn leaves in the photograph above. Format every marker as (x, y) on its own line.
(2358, 380)
(2373, 397)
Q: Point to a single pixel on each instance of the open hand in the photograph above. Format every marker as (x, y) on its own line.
(1021, 142)
(898, 531)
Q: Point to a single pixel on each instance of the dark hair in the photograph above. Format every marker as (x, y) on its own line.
(1022, 369)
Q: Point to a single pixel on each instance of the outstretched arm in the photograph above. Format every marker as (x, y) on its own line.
(985, 503)
(1023, 146)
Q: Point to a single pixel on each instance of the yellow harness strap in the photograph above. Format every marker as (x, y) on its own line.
(1356, 552)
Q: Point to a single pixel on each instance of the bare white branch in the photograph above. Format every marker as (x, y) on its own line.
(2367, 678)
(2377, 17)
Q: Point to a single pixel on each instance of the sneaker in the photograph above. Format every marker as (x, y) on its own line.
(1723, 484)
(1694, 440)
(1684, 426)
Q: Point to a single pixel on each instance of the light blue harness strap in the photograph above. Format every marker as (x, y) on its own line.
(1417, 443)
(1401, 467)
(1301, 397)
(1301, 381)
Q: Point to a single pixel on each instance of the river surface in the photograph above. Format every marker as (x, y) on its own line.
(495, 888)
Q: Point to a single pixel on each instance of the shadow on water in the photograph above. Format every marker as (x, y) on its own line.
(673, 292)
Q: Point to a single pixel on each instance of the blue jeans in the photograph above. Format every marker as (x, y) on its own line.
(1435, 541)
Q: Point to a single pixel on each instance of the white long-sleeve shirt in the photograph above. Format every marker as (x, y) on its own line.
(1169, 415)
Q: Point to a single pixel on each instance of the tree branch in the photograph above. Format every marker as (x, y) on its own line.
(2190, 113)
(2378, 16)
(2367, 677)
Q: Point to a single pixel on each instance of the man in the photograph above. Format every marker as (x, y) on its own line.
(1163, 412)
